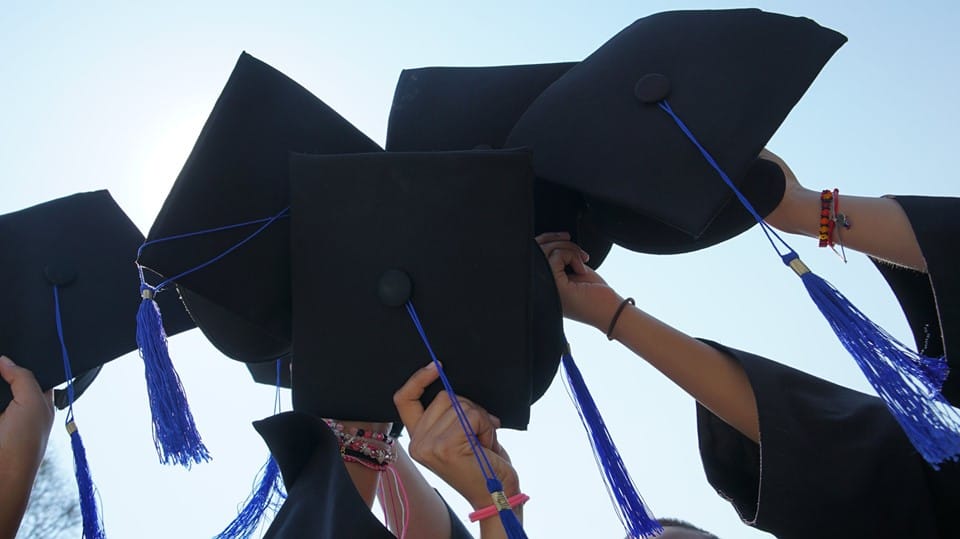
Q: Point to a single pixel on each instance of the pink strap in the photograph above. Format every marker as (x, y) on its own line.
(490, 510)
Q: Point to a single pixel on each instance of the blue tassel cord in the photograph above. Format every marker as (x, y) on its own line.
(268, 496)
(175, 433)
(635, 516)
(511, 524)
(909, 383)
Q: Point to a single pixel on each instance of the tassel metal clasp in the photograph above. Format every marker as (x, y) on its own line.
(500, 500)
(798, 267)
(147, 293)
(71, 427)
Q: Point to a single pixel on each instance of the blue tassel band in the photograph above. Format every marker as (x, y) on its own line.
(635, 516)
(174, 431)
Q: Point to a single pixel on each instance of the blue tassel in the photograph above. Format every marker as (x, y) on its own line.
(92, 525)
(174, 431)
(636, 518)
(935, 369)
(907, 382)
(268, 495)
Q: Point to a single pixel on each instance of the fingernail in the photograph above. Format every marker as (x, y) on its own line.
(584, 255)
(7, 361)
(431, 365)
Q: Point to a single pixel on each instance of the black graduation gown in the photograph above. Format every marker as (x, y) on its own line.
(322, 502)
(833, 462)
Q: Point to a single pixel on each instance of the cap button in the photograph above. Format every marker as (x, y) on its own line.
(652, 88)
(59, 274)
(395, 288)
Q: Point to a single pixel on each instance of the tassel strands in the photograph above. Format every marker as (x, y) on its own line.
(89, 510)
(268, 495)
(175, 433)
(635, 516)
(907, 382)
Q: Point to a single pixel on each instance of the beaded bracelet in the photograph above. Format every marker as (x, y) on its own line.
(341, 429)
(826, 223)
(500, 503)
(830, 217)
(374, 450)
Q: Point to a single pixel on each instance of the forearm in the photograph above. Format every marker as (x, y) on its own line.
(429, 517)
(715, 380)
(878, 226)
(15, 490)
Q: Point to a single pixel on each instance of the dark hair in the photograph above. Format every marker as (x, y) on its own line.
(677, 523)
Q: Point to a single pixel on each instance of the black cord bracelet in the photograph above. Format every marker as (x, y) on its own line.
(616, 316)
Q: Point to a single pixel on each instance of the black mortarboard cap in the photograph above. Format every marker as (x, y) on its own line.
(465, 108)
(731, 75)
(85, 245)
(236, 173)
(451, 232)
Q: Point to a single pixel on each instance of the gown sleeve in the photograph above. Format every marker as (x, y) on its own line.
(931, 301)
(831, 462)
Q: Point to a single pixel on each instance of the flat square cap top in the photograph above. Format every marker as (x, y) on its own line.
(451, 232)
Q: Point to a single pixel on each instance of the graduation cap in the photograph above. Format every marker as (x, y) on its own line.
(85, 246)
(440, 266)
(447, 232)
(465, 108)
(68, 304)
(229, 255)
(678, 104)
(733, 74)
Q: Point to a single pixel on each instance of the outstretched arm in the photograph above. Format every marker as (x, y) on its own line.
(879, 227)
(24, 430)
(715, 380)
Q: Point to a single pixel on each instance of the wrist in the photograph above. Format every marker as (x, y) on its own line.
(604, 308)
(798, 213)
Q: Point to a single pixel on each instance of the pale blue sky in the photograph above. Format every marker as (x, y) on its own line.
(109, 95)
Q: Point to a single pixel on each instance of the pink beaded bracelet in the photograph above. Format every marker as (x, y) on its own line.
(504, 503)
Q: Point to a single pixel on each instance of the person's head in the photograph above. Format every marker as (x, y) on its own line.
(674, 528)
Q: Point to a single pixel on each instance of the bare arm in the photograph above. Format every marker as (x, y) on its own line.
(24, 430)
(879, 227)
(711, 377)
(429, 517)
